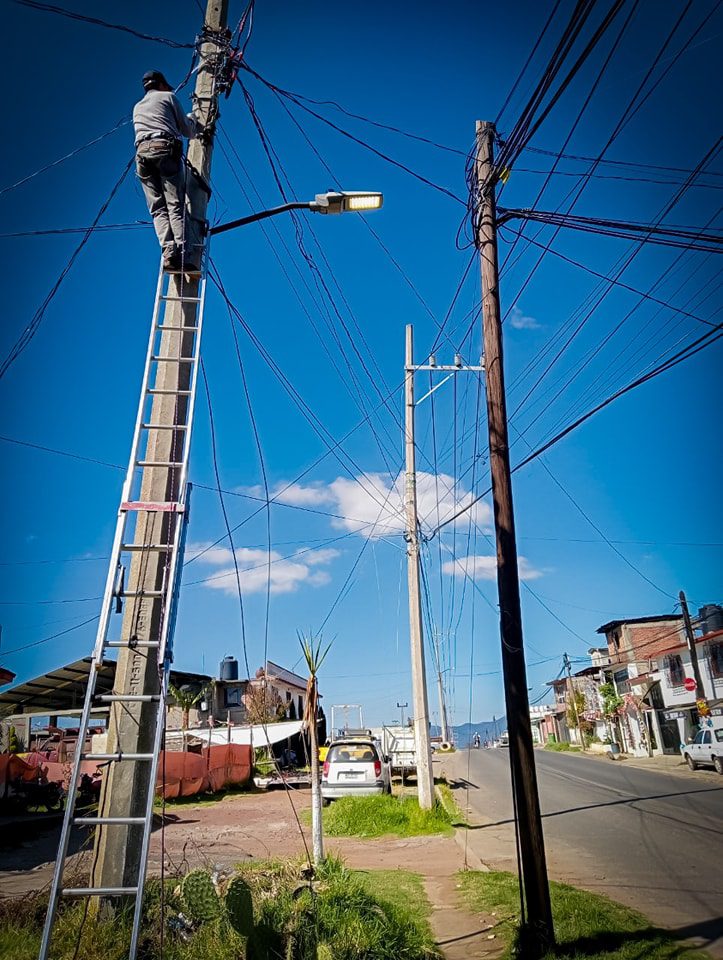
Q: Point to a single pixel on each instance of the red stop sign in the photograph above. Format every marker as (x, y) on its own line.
(690, 684)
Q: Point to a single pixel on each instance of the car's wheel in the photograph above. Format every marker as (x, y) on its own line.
(691, 762)
(718, 764)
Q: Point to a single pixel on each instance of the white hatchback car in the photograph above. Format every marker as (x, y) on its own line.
(706, 750)
(355, 768)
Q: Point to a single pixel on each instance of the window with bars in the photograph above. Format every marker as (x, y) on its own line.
(675, 671)
(715, 658)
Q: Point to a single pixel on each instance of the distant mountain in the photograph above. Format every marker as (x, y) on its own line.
(464, 732)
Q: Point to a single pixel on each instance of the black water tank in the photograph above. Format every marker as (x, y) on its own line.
(711, 617)
(228, 669)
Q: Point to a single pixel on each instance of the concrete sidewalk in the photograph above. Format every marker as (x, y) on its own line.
(665, 763)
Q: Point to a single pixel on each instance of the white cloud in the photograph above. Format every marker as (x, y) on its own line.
(373, 505)
(286, 574)
(520, 321)
(485, 568)
(295, 494)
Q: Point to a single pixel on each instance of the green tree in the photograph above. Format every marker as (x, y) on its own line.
(15, 744)
(185, 699)
(314, 657)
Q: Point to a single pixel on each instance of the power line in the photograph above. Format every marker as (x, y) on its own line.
(72, 15)
(73, 153)
(62, 633)
(686, 353)
(608, 279)
(350, 136)
(685, 237)
(32, 328)
(64, 231)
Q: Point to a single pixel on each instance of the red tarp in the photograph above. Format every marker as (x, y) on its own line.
(14, 768)
(185, 774)
(179, 774)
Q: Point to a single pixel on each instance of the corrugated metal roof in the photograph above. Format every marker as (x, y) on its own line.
(64, 688)
(293, 679)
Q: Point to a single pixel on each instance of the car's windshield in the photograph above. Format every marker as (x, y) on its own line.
(352, 753)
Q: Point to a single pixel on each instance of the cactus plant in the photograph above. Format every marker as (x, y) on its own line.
(239, 906)
(199, 896)
(323, 952)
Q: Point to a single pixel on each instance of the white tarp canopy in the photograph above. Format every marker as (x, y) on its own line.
(258, 735)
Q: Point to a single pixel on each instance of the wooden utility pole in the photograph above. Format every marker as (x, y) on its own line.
(425, 779)
(131, 725)
(571, 694)
(690, 640)
(524, 779)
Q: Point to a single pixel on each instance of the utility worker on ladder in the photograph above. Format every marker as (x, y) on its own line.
(160, 125)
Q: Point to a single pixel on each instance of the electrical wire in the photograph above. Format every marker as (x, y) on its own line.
(68, 156)
(692, 348)
(72, 15)
(31, 329)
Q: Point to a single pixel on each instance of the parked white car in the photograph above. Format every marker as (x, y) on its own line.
(706, 750)
(355, 768)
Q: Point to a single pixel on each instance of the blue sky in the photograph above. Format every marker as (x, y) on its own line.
(644, 470)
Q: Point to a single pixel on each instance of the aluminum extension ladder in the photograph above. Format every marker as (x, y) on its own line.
(184, 319)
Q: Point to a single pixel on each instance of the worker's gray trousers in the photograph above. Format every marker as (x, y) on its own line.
(162, 173)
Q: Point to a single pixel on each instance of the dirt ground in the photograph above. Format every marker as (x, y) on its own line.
(268, 825)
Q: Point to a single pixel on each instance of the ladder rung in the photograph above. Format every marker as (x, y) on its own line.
(154, 506)
(128, 594)
(128, 697)
(98, 891)
(116, 756)
(108, 821)
(173, 299)
(158, 358)
(159, 463)
(128, 645)
(176, 327)
(164, 426)
(163, 392)
(139, 547)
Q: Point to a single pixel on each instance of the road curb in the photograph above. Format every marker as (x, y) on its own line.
(472, 860)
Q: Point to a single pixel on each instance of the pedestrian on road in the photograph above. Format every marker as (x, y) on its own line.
(160, 125)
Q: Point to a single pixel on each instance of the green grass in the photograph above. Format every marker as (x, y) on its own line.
(562, 747)
(448, 801)
(400, 888)
(381, 815)
(587, 926)
(349, 916)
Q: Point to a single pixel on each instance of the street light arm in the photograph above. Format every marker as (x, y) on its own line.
(253, 217)
(334, 201)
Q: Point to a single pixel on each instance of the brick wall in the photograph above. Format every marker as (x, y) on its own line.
(647, 641)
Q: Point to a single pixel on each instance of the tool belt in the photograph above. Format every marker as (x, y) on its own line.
(155, 145)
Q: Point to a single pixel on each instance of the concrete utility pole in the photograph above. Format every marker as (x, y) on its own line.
(425, 779)
(131, 725)
(571, 694)
(690, 639)
(524, 779)
(443, 722)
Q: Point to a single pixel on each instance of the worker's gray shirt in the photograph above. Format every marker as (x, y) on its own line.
(160, 112)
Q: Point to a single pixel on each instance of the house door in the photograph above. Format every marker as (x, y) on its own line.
(669, 733)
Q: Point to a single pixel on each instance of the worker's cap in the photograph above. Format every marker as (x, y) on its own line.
(154, 78)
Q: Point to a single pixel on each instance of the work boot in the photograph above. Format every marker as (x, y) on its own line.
(172, 262)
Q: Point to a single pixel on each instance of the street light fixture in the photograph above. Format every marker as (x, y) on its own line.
(334, 201)
(344, 201)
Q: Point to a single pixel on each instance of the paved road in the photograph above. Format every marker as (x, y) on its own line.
(651, 839)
